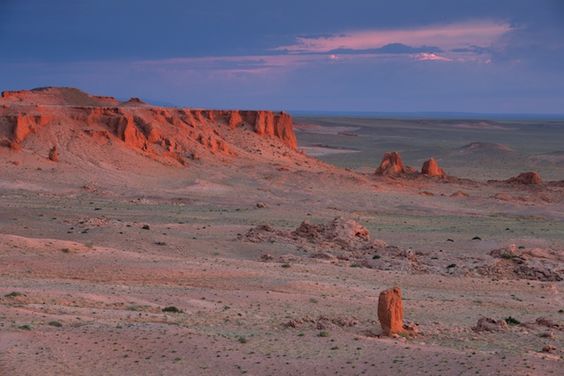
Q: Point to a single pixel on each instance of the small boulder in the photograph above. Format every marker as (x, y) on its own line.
(54, 154)
(459, 194)
(431, 168)
(549, 349)
(391, 165)
(527, 178)
(390, 311)
(486, 324)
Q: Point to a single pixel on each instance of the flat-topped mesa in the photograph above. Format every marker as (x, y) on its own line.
(57, 96)
(153, 130)
(431, 168)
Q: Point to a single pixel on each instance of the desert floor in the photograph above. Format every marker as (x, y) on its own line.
(87, 267)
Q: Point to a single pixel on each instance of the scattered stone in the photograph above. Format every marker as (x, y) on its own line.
(323, 322)
(543, 321)
(507, 253)
(503, 196)
(146, 227)
(426, 193)
(54, 154)
(527, 178)
(266, 257)
(486, 324)
(547, 335)
(261, 205)
(532, 264)
(459, 194)
(549, 349)
(345, 232)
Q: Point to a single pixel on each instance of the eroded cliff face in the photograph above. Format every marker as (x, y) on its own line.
(174, 133)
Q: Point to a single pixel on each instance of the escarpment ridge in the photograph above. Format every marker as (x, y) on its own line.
(56, 116)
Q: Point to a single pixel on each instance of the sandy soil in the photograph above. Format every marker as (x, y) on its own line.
(91, 282)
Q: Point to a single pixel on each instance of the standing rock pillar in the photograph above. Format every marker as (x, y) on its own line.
(390, 311)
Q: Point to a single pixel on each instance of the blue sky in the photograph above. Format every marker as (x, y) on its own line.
(359, 55)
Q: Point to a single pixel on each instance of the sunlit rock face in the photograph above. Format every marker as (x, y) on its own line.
(431, 168)
(158, 132)
(391, 165)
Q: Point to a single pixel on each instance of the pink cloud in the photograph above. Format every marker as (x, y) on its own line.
(426, 56)
(442, 36)
(309, 51)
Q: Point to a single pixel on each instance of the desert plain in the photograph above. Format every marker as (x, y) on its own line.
(138, 240)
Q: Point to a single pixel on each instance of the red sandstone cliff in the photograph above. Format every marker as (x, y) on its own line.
(170, 133)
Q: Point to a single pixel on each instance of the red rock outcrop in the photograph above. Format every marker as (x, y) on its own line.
(22, 125)
(390, 311)
(431, 168)
(391, 165)
(170, 133)
(527, 178)
(268, 123)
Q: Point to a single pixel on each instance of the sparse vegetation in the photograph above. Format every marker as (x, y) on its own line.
(512, 321)
(172, 309)
(55, 323)
(323, 333)
(242, 339)
(14, 294)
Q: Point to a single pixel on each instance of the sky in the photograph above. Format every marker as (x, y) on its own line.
(503, 56)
